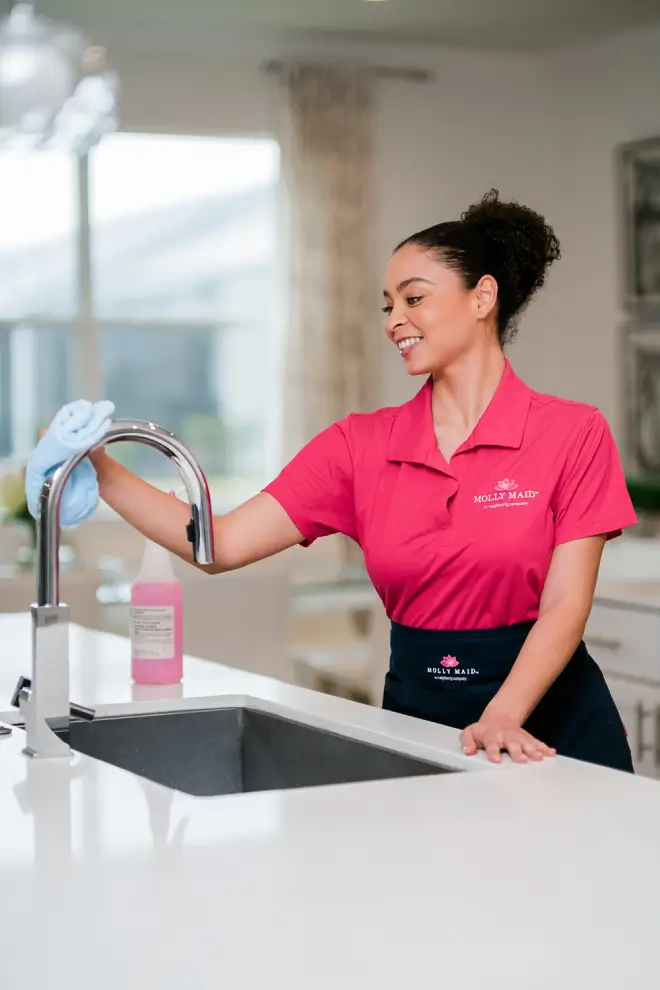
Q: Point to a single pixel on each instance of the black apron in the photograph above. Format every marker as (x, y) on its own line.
(450, 676)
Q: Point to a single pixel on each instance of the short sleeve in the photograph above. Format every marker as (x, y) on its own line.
(315, 489)
(591, 498)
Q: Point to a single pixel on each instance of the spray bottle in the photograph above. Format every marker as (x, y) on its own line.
(156, 620)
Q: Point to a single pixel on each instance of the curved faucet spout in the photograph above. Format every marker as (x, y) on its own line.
(200, 527)
(44, 698)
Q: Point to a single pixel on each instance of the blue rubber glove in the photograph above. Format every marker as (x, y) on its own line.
(76, 427)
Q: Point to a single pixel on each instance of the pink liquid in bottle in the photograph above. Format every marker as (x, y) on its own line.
(156, 621)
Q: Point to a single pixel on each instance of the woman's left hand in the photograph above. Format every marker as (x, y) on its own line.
(498, 733)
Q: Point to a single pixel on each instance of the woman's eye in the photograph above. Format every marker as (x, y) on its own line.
(387, 310)
(413, 300)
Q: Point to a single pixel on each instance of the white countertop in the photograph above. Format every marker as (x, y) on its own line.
(538, 877)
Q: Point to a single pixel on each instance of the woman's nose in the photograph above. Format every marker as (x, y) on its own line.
(394, 321)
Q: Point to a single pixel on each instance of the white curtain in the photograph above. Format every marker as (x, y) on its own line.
(326, 132)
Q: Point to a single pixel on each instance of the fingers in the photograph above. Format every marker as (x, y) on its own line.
(518, 751)
(532, 748)
(537, 750)
(493, 752)
(469, 741)
(520, 745)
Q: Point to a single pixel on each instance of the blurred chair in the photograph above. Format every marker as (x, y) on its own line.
(356, 671)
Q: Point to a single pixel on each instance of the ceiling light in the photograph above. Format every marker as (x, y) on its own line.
(55, 90)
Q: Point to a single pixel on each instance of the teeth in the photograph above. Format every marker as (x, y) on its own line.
(408, 342)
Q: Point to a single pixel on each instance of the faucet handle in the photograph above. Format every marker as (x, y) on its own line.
(79, 711)
(23, 689)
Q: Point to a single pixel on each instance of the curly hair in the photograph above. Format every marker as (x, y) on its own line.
(503, 239)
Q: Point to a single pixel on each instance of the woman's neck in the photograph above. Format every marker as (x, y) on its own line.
(463, 390)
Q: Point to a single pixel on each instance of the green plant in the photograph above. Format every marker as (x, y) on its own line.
(644, 492)
(13, 501)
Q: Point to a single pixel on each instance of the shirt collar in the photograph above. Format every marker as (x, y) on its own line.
(502, 424)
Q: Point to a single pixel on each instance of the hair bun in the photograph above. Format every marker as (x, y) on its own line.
(506, 240)
(525, 245)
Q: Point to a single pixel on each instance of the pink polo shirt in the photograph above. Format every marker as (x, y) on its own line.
(465, 544)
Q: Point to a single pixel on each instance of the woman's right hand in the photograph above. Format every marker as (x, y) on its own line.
(76, 427)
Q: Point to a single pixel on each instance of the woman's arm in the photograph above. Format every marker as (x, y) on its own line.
(253, 531)
(563, 612)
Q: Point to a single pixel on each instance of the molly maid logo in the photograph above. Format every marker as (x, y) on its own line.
(450, 668)
(506, 492)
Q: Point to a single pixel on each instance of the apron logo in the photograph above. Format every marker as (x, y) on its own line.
(505, 494)
(450, 669)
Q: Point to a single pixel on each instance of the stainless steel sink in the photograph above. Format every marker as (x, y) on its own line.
(235, 750)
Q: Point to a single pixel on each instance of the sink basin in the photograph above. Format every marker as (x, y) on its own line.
(235, 750)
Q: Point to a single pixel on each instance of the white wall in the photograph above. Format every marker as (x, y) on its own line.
(600, 96)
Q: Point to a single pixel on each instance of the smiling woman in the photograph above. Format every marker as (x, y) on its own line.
(503, 248)
(481, 506)
(501, 596)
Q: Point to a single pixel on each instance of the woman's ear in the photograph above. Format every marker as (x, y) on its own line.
(486, 296)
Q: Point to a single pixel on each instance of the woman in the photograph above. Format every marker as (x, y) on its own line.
(482, 507)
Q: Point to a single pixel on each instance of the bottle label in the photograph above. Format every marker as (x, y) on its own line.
(152, 632)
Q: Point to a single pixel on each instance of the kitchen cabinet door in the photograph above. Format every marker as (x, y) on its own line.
(639, 707)
(625, 641)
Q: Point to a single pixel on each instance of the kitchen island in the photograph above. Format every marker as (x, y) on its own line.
(535, 877)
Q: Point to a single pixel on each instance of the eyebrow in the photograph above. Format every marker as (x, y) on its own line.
(408, 281)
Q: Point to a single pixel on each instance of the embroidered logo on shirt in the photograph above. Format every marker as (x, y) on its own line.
(506, 493)
(506, 485)
(449, 662)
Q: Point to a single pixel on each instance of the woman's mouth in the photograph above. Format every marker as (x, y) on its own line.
(406, 346)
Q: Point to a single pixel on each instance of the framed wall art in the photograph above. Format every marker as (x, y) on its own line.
(639, 202)
(641, 384)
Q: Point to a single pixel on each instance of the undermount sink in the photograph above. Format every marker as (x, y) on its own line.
(235, 750)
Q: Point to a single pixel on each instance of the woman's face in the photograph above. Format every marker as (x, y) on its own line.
(431, 317)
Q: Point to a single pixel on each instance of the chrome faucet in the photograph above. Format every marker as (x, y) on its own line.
(44, 700)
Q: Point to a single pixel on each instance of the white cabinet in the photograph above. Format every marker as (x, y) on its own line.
(624, 639)
(639, 707)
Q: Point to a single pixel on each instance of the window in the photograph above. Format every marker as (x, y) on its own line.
(164, 298)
